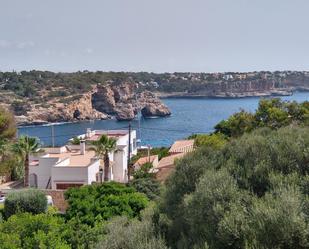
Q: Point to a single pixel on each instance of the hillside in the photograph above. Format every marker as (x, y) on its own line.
(42, 96)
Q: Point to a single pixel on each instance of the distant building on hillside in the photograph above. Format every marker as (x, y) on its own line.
(228, 77)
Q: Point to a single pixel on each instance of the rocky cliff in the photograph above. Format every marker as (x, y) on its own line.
(123, 101)
(242, 88)
(79, 109)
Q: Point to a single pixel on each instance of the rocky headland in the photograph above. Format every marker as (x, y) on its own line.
(122, 102)
(125, 101)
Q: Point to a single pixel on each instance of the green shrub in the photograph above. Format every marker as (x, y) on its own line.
(82, 236)
(75, 141)
(122, 233)
(7, 124)
(272, 113)
(237, 124)
(149, 186)
(143, 172)
(278, 220)
(94, 203)
(215, 141)
(32, 231)
(31, 201)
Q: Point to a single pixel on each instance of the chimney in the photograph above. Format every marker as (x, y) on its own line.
(82, 147)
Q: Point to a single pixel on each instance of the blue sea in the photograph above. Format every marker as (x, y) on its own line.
(189, 116)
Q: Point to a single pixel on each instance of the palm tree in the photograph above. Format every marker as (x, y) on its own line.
(102, 148)
(24, 147)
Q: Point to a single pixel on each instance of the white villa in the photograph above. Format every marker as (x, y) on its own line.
(76, 165)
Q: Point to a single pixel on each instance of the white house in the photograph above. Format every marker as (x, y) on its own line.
(76, 165)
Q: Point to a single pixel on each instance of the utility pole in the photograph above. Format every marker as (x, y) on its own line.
(148, 151)
(129, 152)
(53, 135)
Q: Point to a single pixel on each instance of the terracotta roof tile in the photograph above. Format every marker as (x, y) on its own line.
(146, 159)
(182, 146)
(169, 160)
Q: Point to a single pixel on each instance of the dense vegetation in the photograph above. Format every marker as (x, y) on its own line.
(25, 201)
(95, 203)
(10, 165)
(32, 231)
(249, 194)
(272, 113)
(30, 225)
(246, 186)
(144, 182)
(7, 125)
(122, 233)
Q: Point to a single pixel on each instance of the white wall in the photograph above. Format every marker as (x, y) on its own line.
(123, 140)
(93, 169)
(120, 164)
(70, 174)
(121, 157)
(43, 170)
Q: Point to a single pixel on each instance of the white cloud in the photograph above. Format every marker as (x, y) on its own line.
(25, 44)
(17, 44)
(4, 44)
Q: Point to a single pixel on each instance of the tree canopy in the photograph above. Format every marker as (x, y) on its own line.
(251, 193)
(272, 113)
(7, 124)
(96, 203)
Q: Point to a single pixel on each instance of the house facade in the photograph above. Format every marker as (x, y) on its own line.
(77, 165)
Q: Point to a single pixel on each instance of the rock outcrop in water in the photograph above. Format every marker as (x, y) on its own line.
(124, 101)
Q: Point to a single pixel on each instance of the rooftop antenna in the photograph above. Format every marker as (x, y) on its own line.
(53, 135)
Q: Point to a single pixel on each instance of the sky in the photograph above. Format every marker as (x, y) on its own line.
(154, 35)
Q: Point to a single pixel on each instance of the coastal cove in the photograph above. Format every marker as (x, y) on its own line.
(189, 115)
